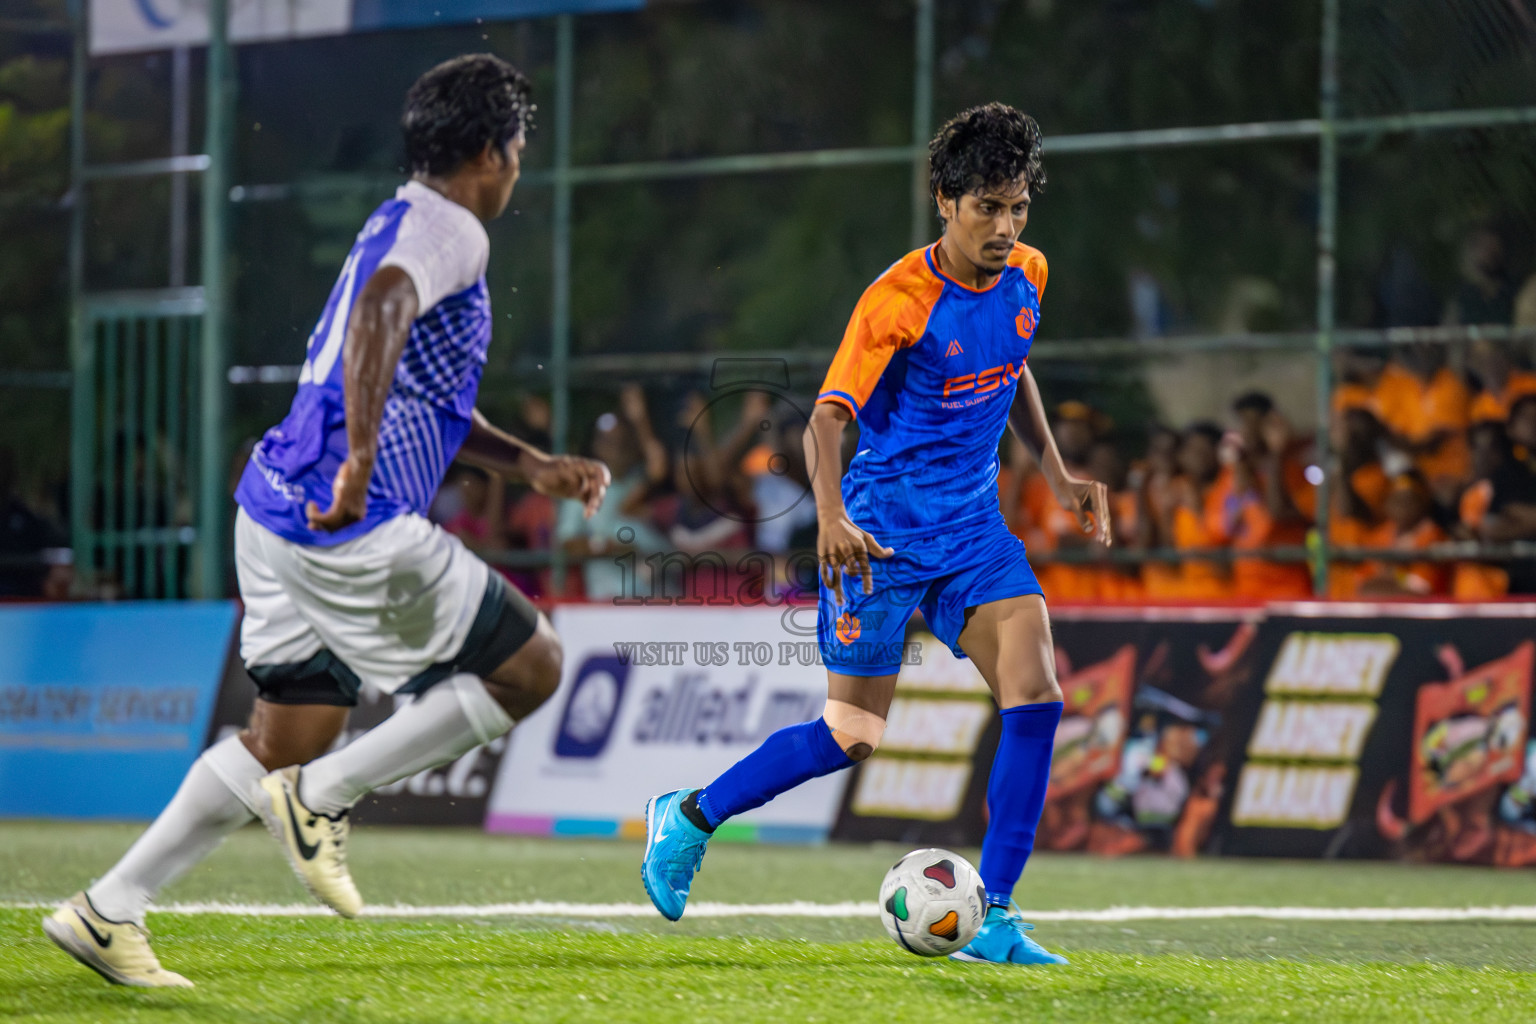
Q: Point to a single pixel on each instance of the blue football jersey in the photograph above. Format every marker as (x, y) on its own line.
(443, 248)
(929, 367)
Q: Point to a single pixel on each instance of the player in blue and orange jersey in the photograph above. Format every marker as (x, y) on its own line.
(933, 367)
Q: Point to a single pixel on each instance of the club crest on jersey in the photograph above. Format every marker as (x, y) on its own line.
(1025, 322)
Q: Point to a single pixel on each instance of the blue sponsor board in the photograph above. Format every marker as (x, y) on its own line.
(103, 708)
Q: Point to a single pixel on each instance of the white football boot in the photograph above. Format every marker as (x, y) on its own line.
(316, 844)
(117, 950)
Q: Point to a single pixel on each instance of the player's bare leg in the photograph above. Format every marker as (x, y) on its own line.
(678, 824)
(1010, 643)
(308, 812)
(103, 927)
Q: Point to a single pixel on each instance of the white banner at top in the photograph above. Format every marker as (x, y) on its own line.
(126, 26)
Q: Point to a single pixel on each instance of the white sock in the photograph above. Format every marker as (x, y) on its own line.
(446, 722)
(212, 802)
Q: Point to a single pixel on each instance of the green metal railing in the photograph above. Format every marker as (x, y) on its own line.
(137, 441)
(148, 449)
(211, 501)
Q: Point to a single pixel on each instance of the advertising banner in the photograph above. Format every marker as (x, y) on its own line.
(120, 26)
(1140, 753)
(1381, 731)
(657, 699)
(103, 708)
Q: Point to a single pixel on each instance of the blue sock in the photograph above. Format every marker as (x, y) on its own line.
(794, 754)
(1016, 795)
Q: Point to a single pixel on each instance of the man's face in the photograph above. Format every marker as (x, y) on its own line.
(504, 171)
(985, 224)
(1522, 424)
(1197, 456)
(1406, 507)
(1250, 425)
(1487, 451)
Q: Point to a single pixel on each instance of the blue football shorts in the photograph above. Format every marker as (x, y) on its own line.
(942, 575)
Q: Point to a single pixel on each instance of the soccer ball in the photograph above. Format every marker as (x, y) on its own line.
(932, 902)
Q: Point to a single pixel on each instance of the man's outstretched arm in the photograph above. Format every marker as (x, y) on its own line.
(559, 476)
(377, 330)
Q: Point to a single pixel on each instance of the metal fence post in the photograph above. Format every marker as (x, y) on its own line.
(82, 432)
(560, 285)
(212, 496)
(1327, 224)
(922, 124)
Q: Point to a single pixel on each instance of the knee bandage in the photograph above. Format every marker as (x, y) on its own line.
(857, 731)
(486, 717)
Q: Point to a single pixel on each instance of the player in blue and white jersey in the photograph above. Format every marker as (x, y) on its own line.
(344, 580)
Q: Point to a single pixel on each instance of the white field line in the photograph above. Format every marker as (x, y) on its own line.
(1110, 915)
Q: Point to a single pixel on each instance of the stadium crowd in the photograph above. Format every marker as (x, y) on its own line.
(1431, 444)
(1423, 455)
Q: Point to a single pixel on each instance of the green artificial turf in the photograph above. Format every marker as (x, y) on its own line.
(745, 970)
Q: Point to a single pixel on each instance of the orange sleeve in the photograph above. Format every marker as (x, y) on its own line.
(1474, 503)
(1486, 407)
(1446, 405)
(1302, 493)
(890, 316)
(1216, 507)
(1353, 396)
(1394, 400)
(1032, 262)
(1371, 485)
(1520, 384)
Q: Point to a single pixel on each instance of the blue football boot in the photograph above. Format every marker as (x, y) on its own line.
(674, 850)
(1002, 941)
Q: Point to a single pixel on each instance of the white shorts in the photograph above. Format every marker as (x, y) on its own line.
(398, 608)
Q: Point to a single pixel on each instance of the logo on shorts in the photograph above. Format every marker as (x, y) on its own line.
(597, 694)
(848, 627)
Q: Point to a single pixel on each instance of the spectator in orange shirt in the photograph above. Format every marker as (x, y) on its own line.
(1075, 428)
(1200, 500)
(1269, 443)
(1347, 528)
(1024, 495)
(1476, 581)
(1154, 519)
(1410, 526)
(1498, 509)
(1501, 381)
(1359, 373)
(1357, 438)
(1424, 404)
(1522, 429)
(1117, 582)
(1259, 513)
(1359, 496)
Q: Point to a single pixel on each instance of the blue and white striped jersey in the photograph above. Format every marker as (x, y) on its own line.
(444, 249)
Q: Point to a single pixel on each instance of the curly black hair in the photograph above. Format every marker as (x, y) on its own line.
(459, 107)
(986, 147)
